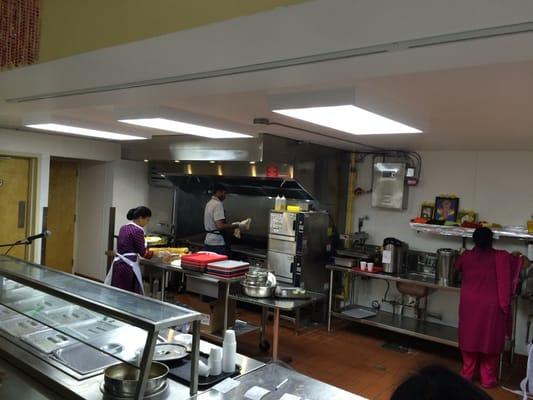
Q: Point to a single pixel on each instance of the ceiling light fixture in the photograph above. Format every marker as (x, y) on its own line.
(185, 128)
(76, 130)
(348, 118)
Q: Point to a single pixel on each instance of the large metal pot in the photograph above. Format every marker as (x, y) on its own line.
(121, 380)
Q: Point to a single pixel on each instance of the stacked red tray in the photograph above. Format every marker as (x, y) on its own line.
(228, 268)
(198, 261)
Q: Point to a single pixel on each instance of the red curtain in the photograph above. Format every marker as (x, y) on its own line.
(19, 32)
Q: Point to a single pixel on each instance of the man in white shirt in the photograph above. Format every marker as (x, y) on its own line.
(215, 222)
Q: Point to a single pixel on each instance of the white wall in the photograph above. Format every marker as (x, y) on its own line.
(95, 188)
(42, 147)
(495, 184)
(130, 188)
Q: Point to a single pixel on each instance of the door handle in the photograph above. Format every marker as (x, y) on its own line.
(22, 215)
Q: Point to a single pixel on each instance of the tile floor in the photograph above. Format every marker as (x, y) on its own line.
(352, 357)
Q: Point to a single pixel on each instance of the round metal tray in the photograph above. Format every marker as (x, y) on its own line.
(159, 395)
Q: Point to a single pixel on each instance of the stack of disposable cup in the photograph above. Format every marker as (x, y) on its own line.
(215, 361)
(229, 352)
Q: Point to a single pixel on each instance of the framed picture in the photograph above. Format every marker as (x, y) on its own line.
(467, 216)
(446, 209)
(426, 211)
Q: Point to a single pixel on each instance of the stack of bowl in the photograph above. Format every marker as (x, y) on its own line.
(258, 282)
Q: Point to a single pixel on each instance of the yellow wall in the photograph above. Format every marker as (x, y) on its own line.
(70, 27)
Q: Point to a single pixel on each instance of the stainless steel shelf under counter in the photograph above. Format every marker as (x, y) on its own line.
(415, 327)
(57, 302)
(280, 380)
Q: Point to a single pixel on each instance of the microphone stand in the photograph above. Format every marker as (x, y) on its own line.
(24, 242)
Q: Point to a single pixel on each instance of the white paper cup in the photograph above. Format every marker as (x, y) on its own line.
(362, 265)
(370, 266)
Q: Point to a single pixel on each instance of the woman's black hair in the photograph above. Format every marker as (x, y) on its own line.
(438, 383)
(138, 212)
(483, 238)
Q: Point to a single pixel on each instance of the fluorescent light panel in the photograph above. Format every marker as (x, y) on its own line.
(75, 130)
(350, 119)
(185, 128)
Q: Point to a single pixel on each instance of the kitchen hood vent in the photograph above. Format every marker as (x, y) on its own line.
(244, 186)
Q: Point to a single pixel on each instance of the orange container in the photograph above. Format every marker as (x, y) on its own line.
(530, 226)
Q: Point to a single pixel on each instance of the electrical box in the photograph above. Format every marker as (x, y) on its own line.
(389, 188)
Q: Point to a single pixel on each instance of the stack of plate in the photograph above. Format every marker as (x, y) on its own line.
(228, 268)
(198, 261)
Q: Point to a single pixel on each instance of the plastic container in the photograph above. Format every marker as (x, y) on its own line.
(215, 361)
(277, 203)
(229, 352)
(283, 203)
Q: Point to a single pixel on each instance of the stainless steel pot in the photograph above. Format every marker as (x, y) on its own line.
(121, 380)
(446, 266)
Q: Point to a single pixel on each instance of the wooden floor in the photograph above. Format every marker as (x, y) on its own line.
(352, 357)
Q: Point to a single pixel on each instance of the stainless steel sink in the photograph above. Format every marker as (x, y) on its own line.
(417, 276)
(412, 288)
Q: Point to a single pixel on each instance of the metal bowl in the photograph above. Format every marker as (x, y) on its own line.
(121, 380)
(258, 291)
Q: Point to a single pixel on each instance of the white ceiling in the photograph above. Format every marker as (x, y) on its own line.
(474, 95)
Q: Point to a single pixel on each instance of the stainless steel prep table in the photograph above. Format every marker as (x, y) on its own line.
(227, 282)
(271, 375)
(277, 305)
(431, 331)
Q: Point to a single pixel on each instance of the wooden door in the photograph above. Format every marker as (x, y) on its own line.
(61, 215)
(14, 203)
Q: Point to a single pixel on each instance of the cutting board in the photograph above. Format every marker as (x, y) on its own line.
(202, 259)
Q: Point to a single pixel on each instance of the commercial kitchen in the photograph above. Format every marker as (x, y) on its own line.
(278, 200)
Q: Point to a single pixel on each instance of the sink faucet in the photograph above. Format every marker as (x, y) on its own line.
(360, 222)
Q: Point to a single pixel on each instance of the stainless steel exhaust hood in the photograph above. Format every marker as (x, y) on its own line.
(265, 167)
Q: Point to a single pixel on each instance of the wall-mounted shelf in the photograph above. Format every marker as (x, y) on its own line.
(457, 231)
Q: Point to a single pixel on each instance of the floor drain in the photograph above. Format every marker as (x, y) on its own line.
(398, 348)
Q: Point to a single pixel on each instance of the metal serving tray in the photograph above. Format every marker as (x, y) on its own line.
(125, 342)
(7, 313)
(71, 315)
(17, 293)
(83, 358)
(89, 330)
(39, 305)
(48, 341)
(21, 326)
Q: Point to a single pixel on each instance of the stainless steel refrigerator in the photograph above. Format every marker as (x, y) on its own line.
(297, 248)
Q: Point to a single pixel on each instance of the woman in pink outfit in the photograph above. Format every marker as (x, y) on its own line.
(489, 279)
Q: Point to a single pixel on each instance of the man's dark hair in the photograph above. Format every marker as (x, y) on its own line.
(219, 187)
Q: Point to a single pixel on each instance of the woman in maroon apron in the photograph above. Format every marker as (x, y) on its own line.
(125, 272)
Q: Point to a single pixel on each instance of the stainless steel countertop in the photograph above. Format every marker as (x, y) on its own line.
(271, 375)
(196, 274)
(67, 387)
(396, 278)
(14, 384)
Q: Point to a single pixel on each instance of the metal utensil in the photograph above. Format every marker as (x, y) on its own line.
(122, 379)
